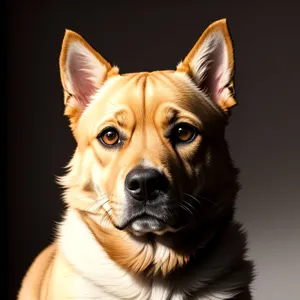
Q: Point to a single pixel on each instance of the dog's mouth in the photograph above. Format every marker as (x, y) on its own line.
(146, 224)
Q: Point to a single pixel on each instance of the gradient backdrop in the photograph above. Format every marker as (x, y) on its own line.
(149, 35)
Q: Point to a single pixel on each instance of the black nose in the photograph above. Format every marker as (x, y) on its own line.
(145, 184)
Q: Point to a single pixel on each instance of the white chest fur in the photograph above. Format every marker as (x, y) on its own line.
(99, 277)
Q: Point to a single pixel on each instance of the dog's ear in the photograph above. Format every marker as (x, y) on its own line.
(210, 64)
(83, 70)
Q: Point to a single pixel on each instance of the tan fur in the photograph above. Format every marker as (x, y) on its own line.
(37, 274)
(142, 103)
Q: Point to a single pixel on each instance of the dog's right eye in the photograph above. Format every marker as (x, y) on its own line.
(109, 137)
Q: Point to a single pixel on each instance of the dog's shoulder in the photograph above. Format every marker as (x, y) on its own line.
(36, 274)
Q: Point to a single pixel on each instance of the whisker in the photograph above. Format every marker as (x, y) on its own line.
(89, 206)
(195, 210)
(107, 217)
(207, 199)
(187, 209)
(194, 198)
(190, 205)
(97, 202)
(171, 212)
(101, 206)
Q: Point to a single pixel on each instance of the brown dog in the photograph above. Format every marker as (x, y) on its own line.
(151, 187)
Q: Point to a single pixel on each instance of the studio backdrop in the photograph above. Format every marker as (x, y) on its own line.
(263, 133)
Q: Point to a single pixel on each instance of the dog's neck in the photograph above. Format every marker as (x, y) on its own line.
(81, 248)
(156, 255)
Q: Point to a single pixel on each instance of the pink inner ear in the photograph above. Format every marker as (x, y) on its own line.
(81, 78)
(210, 67)
(217, 73)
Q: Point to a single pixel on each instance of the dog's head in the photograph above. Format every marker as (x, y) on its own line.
(151, 156)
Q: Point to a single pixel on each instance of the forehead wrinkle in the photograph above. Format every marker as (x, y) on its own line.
(141, 85)
(161, 89)
(120, 116)
(171, 114)
(153, 141)
(150, 84)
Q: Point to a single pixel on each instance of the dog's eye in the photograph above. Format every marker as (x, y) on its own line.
(184, 133)
(109, 136)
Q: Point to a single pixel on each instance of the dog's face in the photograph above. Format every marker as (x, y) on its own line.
(149, 144)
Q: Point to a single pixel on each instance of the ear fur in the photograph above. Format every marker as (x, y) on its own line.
(210, 64)
(83, 70)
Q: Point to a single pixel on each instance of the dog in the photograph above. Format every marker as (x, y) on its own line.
(150, 190)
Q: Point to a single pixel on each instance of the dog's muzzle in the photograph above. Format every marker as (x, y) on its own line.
(146, 189)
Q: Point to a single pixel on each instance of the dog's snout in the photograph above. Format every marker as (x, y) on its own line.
(144, 183)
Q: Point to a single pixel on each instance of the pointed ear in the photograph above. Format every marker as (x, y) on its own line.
(82, 71)
(210, 64)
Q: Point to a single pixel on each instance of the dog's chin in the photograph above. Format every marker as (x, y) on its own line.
(147, 224)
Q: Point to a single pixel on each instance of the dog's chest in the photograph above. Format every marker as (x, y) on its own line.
(121, 289)
(84, 289)
(96, 276)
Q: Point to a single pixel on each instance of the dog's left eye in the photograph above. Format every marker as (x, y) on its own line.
(183, 133)
(109, 137)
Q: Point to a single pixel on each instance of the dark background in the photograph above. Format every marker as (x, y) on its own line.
(149, 35)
